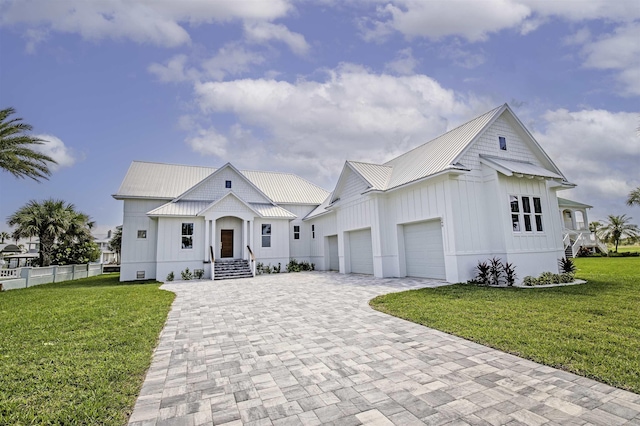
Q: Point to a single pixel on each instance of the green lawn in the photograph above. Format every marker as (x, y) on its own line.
(77, 352)
(592, 330)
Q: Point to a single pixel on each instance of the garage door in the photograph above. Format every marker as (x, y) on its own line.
(334, 262)
(424, 252)
(361, 252)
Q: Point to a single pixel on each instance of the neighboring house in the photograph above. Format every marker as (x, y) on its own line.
(107, 256)
(483, 189)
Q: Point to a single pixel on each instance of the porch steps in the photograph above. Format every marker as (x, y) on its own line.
(229, 269)
(568, 253)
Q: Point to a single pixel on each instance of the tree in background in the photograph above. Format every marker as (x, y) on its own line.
(52, 221)
(75, 253)
(634, 197)
(115, 243)
(618, 227)
(17, 154)
(4, 236)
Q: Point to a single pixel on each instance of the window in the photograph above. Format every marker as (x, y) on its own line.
(521, 212)
(140, 275)
(266, 235)
(142, 233)
(296, 232)
(227, 184)
(187, 235)
(537, 209)
(313, 231)
(503, 143)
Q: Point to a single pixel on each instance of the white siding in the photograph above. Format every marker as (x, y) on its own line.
(279, 250)
(138, 254)
(351, 186)
(171, 256)
(325, 225)
(334, 260)
(231, 223)
(361, 252)
(423, 250)
(300, 249)
(213, 188)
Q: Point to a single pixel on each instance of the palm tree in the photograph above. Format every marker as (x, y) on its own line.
(634, 197)
(4, 236)
(618, 227)
(17, 154)
(50, 221)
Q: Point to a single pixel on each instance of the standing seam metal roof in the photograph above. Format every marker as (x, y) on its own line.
(159, 180)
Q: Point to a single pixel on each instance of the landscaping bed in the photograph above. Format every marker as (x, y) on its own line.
(592, 330)
(77, 352)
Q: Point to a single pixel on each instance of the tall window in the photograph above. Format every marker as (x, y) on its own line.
(266, 235)
(227, 184)
(187, 235)
(503, 143)
(296, 232)
(521, 212)
(313, 231)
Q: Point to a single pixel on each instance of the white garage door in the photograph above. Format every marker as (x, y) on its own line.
(423, 250)
(361, 252)
(334, 262)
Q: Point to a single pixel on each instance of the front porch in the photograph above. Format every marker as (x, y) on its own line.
(576, 235)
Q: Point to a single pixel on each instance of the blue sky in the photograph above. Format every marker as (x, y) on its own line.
(301, 86)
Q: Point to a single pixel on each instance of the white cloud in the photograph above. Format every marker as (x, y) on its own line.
(173, 70)
(618, 51)
(263, 32)
(403, 64)
(57, 150)
(311, 125)
(464, 58)
(208, 141)
(472, 20)
(157, 22)
(598, 150)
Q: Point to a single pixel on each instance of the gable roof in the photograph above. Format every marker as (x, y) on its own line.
(181, 208)
(376, 175)
(563, 202)
(168, 181)
(515, 167)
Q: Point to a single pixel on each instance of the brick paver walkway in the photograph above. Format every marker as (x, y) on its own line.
(306, 349)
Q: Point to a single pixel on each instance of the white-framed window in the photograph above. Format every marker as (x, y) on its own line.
(313, 231)
(526, 211)
(227, 184)
(266, 235)
(187, 236)
(502, 141)
(142, 233)
(296, 232)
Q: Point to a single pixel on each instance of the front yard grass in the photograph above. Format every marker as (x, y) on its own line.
(592, 329)
(77, 352)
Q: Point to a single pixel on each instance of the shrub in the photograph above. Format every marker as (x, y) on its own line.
(276, 269)
(529, 281)
(566, 265)
(186, 274)
(482, 276)
(510, 276)
(170, 276)
(198, 274)
(567, 277)
(259, 268)
(495, 271)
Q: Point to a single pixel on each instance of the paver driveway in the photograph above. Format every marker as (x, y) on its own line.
(306, 349)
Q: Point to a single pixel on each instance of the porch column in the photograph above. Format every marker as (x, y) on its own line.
(207, 241)
(245, 240)
(251, 244)
(213, 240)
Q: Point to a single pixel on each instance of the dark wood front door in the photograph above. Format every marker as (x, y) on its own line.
(226, 243)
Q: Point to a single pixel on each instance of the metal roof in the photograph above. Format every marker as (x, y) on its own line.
(271, 211)
(168, 181)
(180, 208)
(440, 153)
(563, 202)
(321, 209)
(376, 174)
(511, 167)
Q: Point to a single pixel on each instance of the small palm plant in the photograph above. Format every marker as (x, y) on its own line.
(567, 266)
(495, 271)
(510, 276)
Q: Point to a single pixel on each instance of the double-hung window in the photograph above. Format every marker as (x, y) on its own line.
(525, 212)
(266, 235)
(296, 232)
(187, 235)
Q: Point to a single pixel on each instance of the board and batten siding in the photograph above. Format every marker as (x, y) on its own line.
(279, 250)
(300, 249)
(352, 186)
(213, 188)
(325, 225)
(138, 254)
(171, 257)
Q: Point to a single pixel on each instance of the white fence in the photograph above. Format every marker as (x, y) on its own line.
(11, 279)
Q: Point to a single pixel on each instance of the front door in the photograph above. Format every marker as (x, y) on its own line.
(226, 243)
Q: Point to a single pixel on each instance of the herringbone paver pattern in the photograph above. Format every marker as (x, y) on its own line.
(306, 349)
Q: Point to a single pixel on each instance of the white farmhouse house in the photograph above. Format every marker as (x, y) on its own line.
(483, 189)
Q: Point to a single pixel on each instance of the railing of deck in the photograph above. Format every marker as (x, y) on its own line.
(253, 261)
